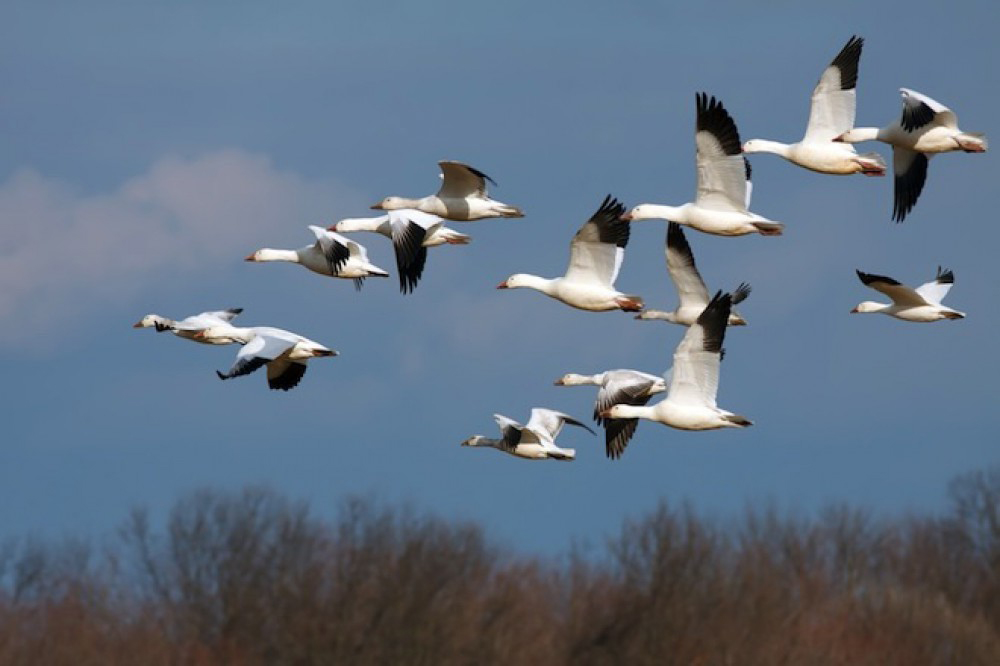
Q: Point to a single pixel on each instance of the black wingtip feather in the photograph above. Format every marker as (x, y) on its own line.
(869, 278)
(289, 379)
(713, 320)
(908, 186)
(847, 62)
(945, 276)
(713, 118)
(916, 116)
(611, 228)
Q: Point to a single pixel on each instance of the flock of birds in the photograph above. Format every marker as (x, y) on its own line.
(721, 207)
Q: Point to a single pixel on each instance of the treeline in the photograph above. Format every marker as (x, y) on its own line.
(253, 578)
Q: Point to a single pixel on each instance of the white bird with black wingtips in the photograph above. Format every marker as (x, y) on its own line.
(412, 232)
(722, 201)
(534, 440)
(617, 387)
(332, 255)
(925, 127)
(691, 289)
(462, 197)
(834, 100)
(595, 258)
(691, 398)
(187, 328)
(922, 304)
(283, 352)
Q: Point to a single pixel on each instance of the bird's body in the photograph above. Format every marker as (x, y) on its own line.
(921, 304)
(462, 197)
(925, 127)
(412, 232)
(723, 193)
(188, 327)
(691, 289)
(834, 100)
(283, 352)
(691, 397)
(629, 387)
(534, 440)
(332, 255)
(596, 254)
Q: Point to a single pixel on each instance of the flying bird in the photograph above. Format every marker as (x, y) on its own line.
(187, 328)
(690, 402)
(691, 289)
(412, 232)
(834, 101)
(617, 387)
(462, 197)
(332, 255)
(924, 128)
(535, 441)
(595, 257)
(722, 199)
(922, 304)
(283, 352)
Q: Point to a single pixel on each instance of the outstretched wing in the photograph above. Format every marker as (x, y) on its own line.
(336, 249)
(598, 248)
(834, 98)
(934, 292)
(511, 433)
(723, 172)
(920, 111)
(461, 180)
(547, 423)
(910, 169)
(900, 293)
(695, 374)
(691, 288)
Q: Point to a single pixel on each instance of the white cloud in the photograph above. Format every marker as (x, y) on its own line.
(64, 252)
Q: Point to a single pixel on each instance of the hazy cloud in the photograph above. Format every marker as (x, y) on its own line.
(65, 251)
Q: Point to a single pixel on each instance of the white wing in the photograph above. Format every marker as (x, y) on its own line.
(934, 292)
(598, 248)
(722, 177)
(547, 423)
(680, 265)
(834, 98)
(461, 180)
(900, 293)
(694, 377)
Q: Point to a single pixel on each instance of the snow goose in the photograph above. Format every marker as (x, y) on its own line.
(187, 328)
(832, 113)
(412, 232)
(922, 304)
(925, 127)
(691, 289)
(690, 402)
(723, 197)
(283, 352)
(595, 257)
(332, 254)
(535, 441)
(628, 387)
(462, 197)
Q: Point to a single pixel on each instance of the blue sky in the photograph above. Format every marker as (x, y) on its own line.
(148, 147)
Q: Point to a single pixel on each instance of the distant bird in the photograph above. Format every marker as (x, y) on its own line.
(187, 328)
(617, 387)
(595, 257)
(691, 288)
(690, 402)
(412, 232)
(332, 255)
(462, 197)
(922, 304)
(832, 113)
(925, 127)
(283, 352)
(535, 441)
(721, 203)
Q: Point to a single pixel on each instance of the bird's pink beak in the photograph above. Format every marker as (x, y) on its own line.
(502, 285)
(251, 257)
(854, 311)
(625, 217)
(137, 324)
(377, 206)
(332, 227)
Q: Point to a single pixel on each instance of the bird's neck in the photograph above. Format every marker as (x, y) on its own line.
(364, 224)
(859, 134)
(271, 254)
(766, 146)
